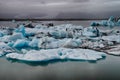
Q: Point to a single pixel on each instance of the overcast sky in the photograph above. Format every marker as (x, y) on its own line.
(59, 8)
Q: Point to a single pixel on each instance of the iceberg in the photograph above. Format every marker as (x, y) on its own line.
(21, 29)
(109, 23)
(4, 49)
(118, 22)
(10, 43)
(1, 34)
(104, 23)
(51, 43)
(90, 32)
(113, 38)
(39, 26)
(16, 36)
(60, 53)
(21, 43)
(34, 43)
(72, 43)
(95, 24)
(58, 34)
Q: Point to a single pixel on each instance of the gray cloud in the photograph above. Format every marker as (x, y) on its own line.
(59, 8)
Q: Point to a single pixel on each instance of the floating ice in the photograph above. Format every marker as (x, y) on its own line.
(118, 23)
(110, 22)
(104, 23)
(58, 34)
(34, 43)
(39, 26)
(91, 32)
(72, 43)
(60, 53)
(1, 34)
(21, 29)
(21, 43)
(16, 36)
(115, 38)
(95, 24)
(10, 43)
(4, 49)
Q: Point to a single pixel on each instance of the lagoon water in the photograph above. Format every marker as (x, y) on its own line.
(106, 69)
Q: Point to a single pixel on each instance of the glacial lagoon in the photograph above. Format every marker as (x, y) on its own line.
(106, 68)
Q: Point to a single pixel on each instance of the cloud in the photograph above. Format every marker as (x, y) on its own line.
(53, 8)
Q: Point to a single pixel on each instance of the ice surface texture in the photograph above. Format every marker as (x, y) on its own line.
(60, 53)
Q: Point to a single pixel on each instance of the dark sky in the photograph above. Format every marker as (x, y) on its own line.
(59, 8)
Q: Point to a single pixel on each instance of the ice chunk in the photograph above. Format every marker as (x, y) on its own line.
(21, 29)
(60, 53)
(4, 49)
(47, 43)
(16, 36)
(115, 38)
(72, 43)
(39, 26)
(13, 21)
(13, 37)
(21, 43)
(5, 38)
(58, 34)
(1, 34)
(95, 24)
(50, 43)
(104, 23)
(118, 23)
(10, 43)
(111, 24)
(111, 19)
(91, 32)
(34, 43)
(24, 51)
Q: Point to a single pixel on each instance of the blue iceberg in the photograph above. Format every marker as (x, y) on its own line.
(21, 43)
(34, 43)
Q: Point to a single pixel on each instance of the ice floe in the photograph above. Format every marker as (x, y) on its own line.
(60, 53)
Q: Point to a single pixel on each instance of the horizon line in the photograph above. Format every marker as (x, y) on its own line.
(49, 19)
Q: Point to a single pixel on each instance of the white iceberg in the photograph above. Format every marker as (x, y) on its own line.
(34, 43)
(115, 38)
(21, 29)
(72, 43)
(16, 36)
(60, 53)
(4, 49)
(58, 34)
(51, 43)
(21, 43)
(91, 32)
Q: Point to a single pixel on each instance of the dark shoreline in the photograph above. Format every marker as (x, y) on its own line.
(10, 19)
